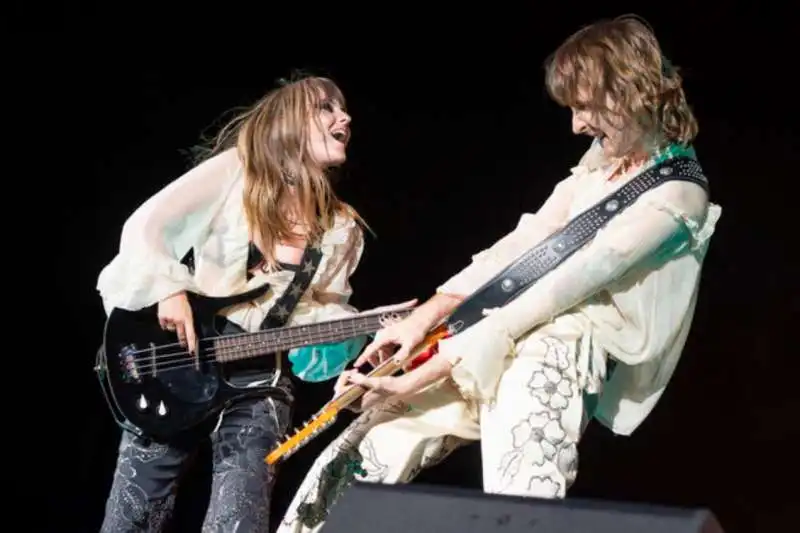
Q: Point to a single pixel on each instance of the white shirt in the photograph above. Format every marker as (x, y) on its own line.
(203, 209)
(632, 289)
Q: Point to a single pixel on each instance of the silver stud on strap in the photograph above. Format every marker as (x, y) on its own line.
(665, 171)
(612, 205)
(507, 284)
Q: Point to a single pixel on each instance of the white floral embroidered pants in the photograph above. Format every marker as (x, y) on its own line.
(529, 435)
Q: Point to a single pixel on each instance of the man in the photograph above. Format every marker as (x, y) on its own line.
(520, 379)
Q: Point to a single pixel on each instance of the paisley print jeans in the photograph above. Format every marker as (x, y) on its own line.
(145, 482)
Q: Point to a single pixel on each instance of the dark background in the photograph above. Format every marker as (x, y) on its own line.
(453, 137)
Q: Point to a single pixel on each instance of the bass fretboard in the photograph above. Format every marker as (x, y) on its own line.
(248, 345)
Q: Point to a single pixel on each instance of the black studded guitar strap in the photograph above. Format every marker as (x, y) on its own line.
(284, 306)
(548, 254)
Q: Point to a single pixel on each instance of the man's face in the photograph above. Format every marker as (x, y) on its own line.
(617, 135)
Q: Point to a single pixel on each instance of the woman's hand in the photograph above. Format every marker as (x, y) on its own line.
(175, 314)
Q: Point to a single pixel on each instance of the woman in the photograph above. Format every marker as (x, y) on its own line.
(245, 215)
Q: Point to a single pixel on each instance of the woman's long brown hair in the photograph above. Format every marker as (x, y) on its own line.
(271, 139)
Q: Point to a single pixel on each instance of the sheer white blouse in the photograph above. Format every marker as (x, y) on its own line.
(632, 290)
(203, 210)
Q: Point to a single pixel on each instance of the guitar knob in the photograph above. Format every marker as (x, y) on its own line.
(142, 403)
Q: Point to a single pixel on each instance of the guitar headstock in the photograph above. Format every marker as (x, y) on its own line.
(310, 429)
(327, 414)
(387, 318)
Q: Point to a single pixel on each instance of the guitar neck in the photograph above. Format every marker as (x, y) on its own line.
(426, 349)
(351, 395)
(421, 353)
(248, 345)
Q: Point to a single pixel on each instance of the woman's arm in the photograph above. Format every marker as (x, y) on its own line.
(147, 268)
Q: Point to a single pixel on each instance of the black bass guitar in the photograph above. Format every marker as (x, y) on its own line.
(154, 384)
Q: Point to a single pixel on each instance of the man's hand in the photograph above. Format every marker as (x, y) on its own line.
(406, 334)
(393, 307)
(409, 332)
(378, 388)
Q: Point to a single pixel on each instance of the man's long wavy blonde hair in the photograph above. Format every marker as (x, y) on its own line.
(621, 61)
(272, 141)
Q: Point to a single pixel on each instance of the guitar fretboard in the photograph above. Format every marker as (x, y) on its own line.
(247, 345)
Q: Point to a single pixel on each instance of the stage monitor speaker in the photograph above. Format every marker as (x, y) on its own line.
(370, 508)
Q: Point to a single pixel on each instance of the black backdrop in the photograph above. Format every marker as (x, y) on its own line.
(454, 137)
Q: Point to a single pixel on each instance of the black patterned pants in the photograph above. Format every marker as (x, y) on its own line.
(145, 482)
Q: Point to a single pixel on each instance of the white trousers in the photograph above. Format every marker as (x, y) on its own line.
(529, 435)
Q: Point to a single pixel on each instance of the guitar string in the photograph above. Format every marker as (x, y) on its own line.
(357, 320)
(179, 360)
(183, 362)
(288, 331)
(163, 362)
(274, 340)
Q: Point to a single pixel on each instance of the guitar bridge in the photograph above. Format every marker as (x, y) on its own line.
(130, 367)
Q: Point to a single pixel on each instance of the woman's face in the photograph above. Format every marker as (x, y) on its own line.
(329, 133)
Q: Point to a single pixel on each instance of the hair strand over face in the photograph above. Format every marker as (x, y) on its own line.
(616, 68)
(272, 142)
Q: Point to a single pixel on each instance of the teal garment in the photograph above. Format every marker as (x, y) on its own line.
(322, 362)
(590, 402)
(674, 150)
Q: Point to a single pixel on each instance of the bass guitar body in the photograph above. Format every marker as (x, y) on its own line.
(153, 382)
(155, 387)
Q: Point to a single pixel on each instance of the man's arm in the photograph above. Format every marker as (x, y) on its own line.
(630, 238)
(409, 332)
(665, 214)
(436, 309)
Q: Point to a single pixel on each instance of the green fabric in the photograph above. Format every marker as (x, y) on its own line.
(672, 151)
(590, 402)
(322, 362)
